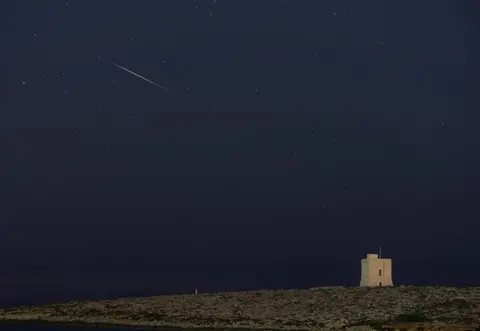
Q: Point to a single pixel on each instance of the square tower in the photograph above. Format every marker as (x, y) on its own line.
(376, 271)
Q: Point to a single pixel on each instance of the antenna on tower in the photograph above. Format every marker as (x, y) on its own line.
(380, 252)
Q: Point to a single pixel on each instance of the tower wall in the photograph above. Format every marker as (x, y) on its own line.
(376, 271)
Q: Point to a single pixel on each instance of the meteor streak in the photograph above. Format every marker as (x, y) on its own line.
(139, 76)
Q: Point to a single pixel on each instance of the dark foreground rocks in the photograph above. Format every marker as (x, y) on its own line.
(311, 309)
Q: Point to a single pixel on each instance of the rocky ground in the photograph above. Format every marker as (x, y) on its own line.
(310, 309)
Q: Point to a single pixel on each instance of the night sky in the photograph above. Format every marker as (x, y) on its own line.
(301, 135)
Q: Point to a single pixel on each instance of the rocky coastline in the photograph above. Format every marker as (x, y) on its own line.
(330, 308)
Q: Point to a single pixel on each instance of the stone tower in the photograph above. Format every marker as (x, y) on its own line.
(376, 271)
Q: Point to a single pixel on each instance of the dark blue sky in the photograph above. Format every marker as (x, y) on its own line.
(302, 135)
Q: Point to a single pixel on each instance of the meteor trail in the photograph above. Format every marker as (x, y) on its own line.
(145, 79)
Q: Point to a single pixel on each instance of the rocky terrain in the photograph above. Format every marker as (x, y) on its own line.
(309, 309)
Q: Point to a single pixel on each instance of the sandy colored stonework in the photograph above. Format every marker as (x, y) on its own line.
(306, 309)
